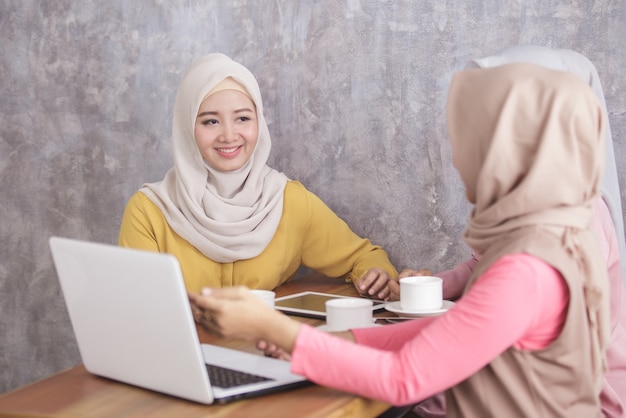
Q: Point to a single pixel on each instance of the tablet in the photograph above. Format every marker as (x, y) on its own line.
(312, 304)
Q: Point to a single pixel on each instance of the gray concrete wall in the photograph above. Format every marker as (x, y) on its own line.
(355, 95)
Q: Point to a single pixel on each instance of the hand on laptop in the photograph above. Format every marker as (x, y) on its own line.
(272, 350)
(235, 312)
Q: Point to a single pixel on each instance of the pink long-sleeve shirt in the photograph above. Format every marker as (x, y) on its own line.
(408, 362)
(613, 395)
(520, 301)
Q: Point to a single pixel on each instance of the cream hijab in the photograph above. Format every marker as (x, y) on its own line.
(528, 144)
(573, 62)
(228, 216)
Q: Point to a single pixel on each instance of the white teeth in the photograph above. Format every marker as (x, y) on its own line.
(227, 150)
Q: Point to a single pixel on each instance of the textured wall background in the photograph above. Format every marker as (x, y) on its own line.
(355, 95)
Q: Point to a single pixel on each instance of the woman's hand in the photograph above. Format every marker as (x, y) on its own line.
(272, 350)
(234, 312)
(229, 312)
(374, 284)
(394, 285)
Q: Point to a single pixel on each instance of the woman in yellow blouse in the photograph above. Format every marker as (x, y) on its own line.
(228, 217)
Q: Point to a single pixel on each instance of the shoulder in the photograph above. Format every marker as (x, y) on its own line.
(511, 265)
(141, 203)
(298, 197)
(520, 261)
(296, 200)
(296, 193)
(139, 199)
(295, 187)
(522, 273)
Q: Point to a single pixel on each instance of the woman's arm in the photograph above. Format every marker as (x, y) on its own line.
(332, 248)
(519, 302)
(435, 355)
(234, 312)
(455, 279)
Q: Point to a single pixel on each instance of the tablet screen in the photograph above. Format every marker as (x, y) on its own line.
(311, 303)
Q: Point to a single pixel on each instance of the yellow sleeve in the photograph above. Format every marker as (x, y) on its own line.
(309, 233)
(136, 230)
(332, 248)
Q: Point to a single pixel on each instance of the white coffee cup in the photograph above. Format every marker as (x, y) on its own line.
(421, 293)
(346, 313)
(266, 296)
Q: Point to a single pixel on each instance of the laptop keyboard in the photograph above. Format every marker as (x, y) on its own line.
(228, 378)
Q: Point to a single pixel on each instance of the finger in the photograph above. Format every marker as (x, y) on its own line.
(412, 272)
(384, 293)
(193, 298)
(272, 351)
(394, 290)
(234, 292)
(213, 298)
(379, 284)
(407, 273)
(197, 315)
(200, 302)
(196, 312)
(268, 349)
(370, 282)
(208, 323)
(366, 281)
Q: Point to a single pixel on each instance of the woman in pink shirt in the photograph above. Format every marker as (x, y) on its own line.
(535, 311)
(607, 220)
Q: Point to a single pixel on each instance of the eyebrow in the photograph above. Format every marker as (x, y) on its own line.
(212, 113)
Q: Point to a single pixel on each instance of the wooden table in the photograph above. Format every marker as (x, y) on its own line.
(77, 393)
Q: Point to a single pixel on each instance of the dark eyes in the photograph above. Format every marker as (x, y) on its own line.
(209, 122)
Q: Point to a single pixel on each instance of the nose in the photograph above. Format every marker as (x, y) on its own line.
(229, 132)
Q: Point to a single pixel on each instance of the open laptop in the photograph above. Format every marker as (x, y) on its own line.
(133, 323)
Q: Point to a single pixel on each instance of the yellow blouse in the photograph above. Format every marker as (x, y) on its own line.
(309, 234)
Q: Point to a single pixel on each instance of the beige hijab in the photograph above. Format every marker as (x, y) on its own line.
(528, 143)
(227, 216)
(575, 63)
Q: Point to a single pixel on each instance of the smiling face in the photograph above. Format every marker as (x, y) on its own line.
(226, 130)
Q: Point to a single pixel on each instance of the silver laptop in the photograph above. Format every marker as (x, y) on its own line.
(133, 323)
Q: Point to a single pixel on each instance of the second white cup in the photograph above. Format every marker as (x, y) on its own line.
(421, 293)
(343, 314)
(266, 296)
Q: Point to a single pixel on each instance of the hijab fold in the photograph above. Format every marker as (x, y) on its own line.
(227, 216)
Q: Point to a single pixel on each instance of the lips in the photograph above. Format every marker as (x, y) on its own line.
(229, 152)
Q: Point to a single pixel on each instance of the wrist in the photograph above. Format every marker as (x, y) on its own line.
(282, 331)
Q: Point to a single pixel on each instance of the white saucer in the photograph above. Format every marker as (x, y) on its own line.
(396, 308)
(325, 327)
